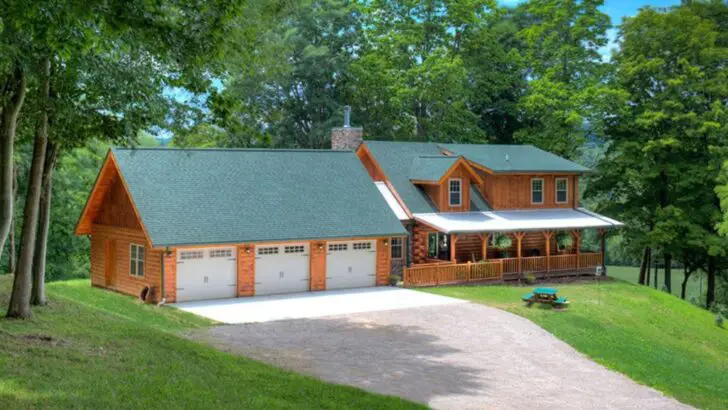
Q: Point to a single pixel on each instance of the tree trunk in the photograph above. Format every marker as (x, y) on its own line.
(643, 266)
(655, 275)
(649, 266)
(20, 298)
(710, 294)
(38, 296)
(14, 91)
(12, 255)
(684, 285)
(668, 272)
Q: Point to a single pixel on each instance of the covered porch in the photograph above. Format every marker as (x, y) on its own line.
(508, 245)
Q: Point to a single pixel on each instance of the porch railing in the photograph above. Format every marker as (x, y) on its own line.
(432, 274)
(440, 274)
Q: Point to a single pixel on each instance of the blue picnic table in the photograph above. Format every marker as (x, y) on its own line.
(545, 295)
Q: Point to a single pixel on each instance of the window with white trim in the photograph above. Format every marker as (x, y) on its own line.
(338, 247)
(456, 192)
(269, 250)
(562, 190)
(221, 253)
(186, 255)
(537, 190)
(293, 249)
(136, 260)
(396, 245)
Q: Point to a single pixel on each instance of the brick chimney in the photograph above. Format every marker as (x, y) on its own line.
(346, 138)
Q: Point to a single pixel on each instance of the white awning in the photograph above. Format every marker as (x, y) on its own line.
(391, 200)
(520, 220)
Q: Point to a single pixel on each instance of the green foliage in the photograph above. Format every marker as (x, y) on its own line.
(608, 322)
(564, 240)
(503, 242)
(567, 94)
(666, 145)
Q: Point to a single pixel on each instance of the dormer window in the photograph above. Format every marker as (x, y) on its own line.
(456, 192)
(537, 191)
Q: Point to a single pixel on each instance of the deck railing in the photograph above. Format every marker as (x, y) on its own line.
(447, 272)
(440, 274)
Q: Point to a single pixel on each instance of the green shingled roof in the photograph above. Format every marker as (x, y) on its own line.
(395, 159)
(215, 196)
(477, 202)
(402, 161)
(514, 158)
(431, 167)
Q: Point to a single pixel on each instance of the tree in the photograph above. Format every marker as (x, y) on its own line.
(289, 93)
(667, 142)
(118, 35)
(567, 97)
(415, 79)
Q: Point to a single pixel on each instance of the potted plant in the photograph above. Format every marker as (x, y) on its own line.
(564, 241)
(503, 243)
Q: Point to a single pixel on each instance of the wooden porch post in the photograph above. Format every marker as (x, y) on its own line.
(603, 249)
(577, 242)
(484, 245)
(453, 241)
(547, 237)
(519, 238)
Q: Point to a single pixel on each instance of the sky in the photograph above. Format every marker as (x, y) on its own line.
(616, 9)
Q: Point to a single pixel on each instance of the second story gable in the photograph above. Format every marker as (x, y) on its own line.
(432, 177)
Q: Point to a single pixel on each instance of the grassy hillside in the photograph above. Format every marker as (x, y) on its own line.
(652, 337)
(631, 274)
(96, 349)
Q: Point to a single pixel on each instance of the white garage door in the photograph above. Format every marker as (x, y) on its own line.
(351, 264)
(208, 273)
(281, 269)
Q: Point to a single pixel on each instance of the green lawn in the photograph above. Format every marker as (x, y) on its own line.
(95, 349)
(652, 337)
(631, 274)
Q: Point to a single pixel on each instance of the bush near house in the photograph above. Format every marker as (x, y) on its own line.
(652, 337)
(98, 349)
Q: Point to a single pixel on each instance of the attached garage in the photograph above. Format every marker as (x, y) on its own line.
(207, 273)
(351, 264)
(282, 268)
(218, 223)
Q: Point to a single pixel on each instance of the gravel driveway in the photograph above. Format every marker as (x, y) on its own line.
(460, 356)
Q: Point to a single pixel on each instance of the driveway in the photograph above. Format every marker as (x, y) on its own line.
(453, 356)
(312, 304)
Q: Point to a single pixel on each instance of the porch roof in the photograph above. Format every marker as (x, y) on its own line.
(516, 221)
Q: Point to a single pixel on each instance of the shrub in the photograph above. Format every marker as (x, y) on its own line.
(719, 320)
(530, 279)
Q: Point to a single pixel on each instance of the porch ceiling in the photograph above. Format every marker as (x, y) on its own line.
(518, 220)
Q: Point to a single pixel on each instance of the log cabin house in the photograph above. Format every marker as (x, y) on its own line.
(459, 201)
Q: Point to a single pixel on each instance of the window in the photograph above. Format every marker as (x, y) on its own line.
(186, 255)
(221, 253)
(136, 260)
(456, 194)
(293, 249)
(562, 190)
(338, 247)
(362, 246)
(271, 250)
(537, 191)
(436, 243)
(396, 245)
